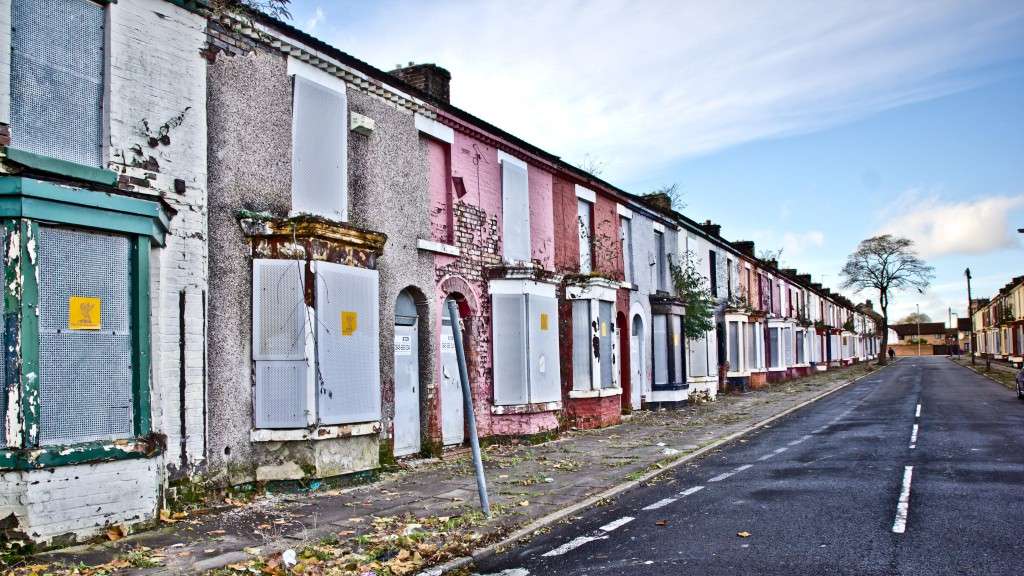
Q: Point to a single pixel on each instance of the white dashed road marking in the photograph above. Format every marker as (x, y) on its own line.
(659, 504)
(903, 506)
(725, 475)
(692, 490)
(765, 457)
(913, 437)
(780, 450)
(574, 544)
(617, 524)
(918, 413)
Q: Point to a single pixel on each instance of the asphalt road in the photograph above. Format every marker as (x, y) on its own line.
(820, 491)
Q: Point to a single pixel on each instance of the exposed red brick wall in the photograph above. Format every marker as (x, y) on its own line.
(587, 413)
(567, 240)
(607, 246)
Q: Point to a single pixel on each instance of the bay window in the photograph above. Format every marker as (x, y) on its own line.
(668, 338)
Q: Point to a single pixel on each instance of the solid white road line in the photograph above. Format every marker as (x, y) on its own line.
(780, 450)
(573, 544)
(660, 504)
(903, 506)
(918, 413)
(913, 437)
(744, 467)
(692, 490)
(616, 524)
(765, 457)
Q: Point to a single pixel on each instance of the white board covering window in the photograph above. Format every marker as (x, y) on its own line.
(515, 206)
(606, 333)
(584, 221)
(773, 347)
(699, 357)
(581, 345)
(787, 336)
(750, 346)
(56, 82)
(525, 348)
(678, 370)
(319, 149)
(734, 346)
(659, 266)
(660, 343)
(279, 333)
(347, 344)
(626, 232)
(800, 337)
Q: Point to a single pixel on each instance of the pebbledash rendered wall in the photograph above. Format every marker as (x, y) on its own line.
(154, 73)
(250, 151)
(473, 224)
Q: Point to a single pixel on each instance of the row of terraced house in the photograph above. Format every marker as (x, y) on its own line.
(228, 249)
(997, 324)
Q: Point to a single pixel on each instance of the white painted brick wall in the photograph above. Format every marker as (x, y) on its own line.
(81, 500)
(156, 72)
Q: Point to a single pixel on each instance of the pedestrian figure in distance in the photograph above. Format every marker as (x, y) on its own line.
(892, 354)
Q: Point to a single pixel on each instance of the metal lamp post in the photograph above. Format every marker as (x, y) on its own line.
(970, 314)
(918, 329)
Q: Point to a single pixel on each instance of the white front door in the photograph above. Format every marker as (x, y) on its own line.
(407, 390)
(452, 419)
(636, 363)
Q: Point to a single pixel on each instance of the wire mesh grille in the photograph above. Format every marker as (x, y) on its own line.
(85, 384)
(281, 394)
(57, 79)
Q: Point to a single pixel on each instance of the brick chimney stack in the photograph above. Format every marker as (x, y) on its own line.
(429, 78)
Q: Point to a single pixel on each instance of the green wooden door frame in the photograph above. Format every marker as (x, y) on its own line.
(145, 224)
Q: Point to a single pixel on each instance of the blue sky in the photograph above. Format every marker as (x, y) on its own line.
(804, 126)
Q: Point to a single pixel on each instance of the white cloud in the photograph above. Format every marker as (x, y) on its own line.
(941, 227)
(314, 20)
(642, 84)
(798, 243)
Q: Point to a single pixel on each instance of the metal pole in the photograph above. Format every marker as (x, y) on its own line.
(970, 314)
(467, 401)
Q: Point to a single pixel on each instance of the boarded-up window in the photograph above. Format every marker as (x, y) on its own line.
(525, 349)
(57, 79)
(699, 357)
(626, 231)
(787, 336)
(319, 150)
(515, 206)
(347, 344)
(660, 343)
(279, 329)
(751, 346)
(676, 339)
(734, 347)
(545, 381)
(85, 381)
(773, 347)
(607, 333)
(658, 268)
(582, 348)
(3, 365)
(585, 225)
(800, 338)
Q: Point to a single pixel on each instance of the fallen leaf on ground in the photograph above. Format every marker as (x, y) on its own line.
(115, 533)
(661, 523)
(252, 551)
(216, 532)
(743, 534)
(524, 502)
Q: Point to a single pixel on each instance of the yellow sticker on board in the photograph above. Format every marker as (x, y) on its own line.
(543, 321)
(675, 339)
(83, 313)
(604, 328)
(349, 322)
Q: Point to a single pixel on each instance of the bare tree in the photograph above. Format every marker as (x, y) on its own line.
(592, 164)
(887, 264)
(767, 255)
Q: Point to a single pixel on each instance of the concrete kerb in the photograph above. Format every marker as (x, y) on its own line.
(526, 532)
(965, 367)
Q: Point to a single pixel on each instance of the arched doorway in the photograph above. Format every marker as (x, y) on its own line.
(452, 409)
(407, 376)
(636, 361)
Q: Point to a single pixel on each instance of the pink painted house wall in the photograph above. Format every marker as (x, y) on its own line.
(475, 225)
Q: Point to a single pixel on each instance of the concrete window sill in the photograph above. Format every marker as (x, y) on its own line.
(321, 433)
(527, 408)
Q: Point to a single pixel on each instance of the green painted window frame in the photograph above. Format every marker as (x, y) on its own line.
(24, 204)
